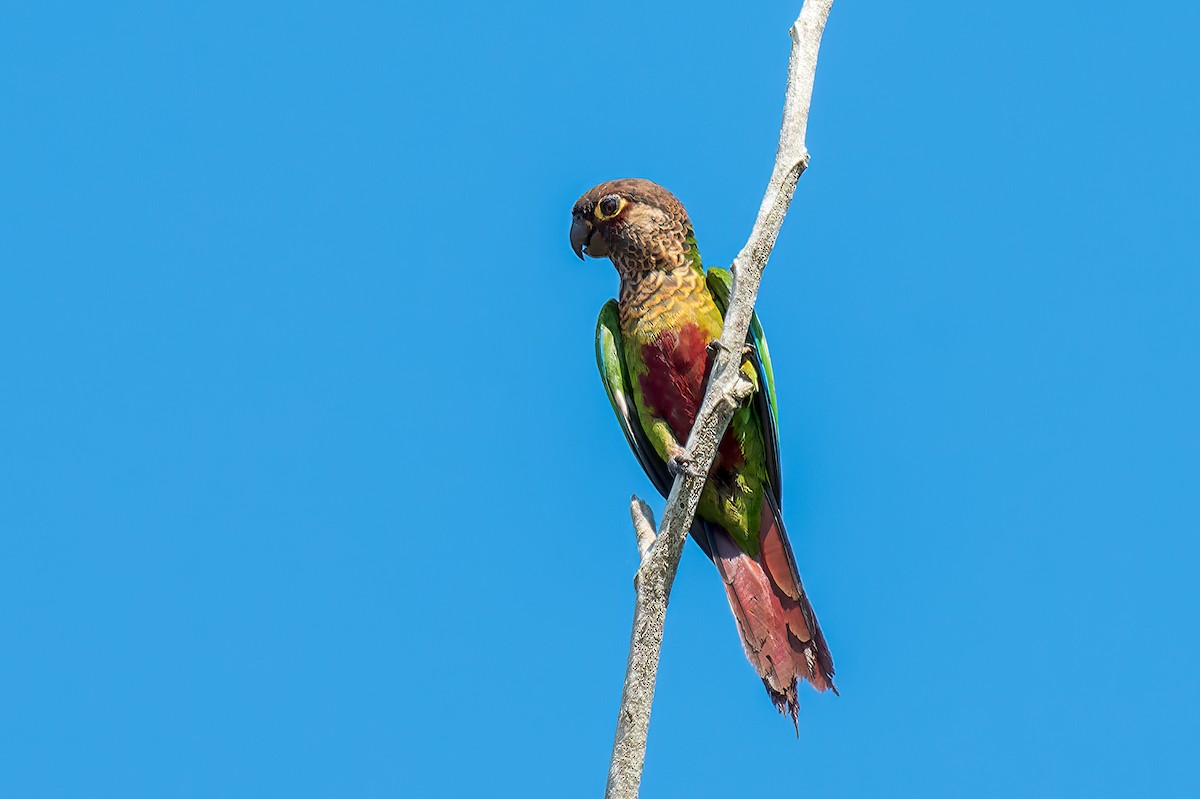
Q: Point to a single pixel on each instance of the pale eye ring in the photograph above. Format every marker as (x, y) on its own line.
(609, 206)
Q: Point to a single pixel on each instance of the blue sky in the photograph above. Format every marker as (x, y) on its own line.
(308, 486)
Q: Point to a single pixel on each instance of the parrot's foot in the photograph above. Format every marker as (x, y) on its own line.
(681, 462)
(716, 346)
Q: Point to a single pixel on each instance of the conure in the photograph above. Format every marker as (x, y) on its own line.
(652, 347)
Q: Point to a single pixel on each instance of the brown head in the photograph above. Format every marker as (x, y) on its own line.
(638, 224)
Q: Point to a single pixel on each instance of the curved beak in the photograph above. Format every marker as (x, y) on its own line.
(581, 233)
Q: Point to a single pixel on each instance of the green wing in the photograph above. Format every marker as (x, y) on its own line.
(610, 357)
(720, 285)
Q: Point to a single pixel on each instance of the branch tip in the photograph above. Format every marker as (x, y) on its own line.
(643, 525)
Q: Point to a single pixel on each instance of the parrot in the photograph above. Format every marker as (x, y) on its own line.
(653, 352)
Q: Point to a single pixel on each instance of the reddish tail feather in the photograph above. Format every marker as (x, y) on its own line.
(778, 627)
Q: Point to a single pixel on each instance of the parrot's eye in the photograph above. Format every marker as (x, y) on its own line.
(609, 206)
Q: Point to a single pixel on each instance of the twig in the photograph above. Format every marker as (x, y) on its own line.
(727, 388)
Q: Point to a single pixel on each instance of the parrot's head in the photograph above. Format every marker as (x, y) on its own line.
(637, 223)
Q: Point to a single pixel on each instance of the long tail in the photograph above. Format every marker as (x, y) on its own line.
(779, 629)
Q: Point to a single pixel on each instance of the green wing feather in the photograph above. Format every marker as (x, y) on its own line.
(610, 357)
(720, 285)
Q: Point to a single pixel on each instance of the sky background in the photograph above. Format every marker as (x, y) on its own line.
(308, 486)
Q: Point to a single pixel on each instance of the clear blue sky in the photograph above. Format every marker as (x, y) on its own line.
(253, 542)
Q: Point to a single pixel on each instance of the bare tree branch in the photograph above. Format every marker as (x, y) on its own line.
(727, 389)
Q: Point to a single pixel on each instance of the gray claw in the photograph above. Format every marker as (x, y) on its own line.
(681, 463)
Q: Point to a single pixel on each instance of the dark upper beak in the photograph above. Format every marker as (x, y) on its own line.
(581, 233)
